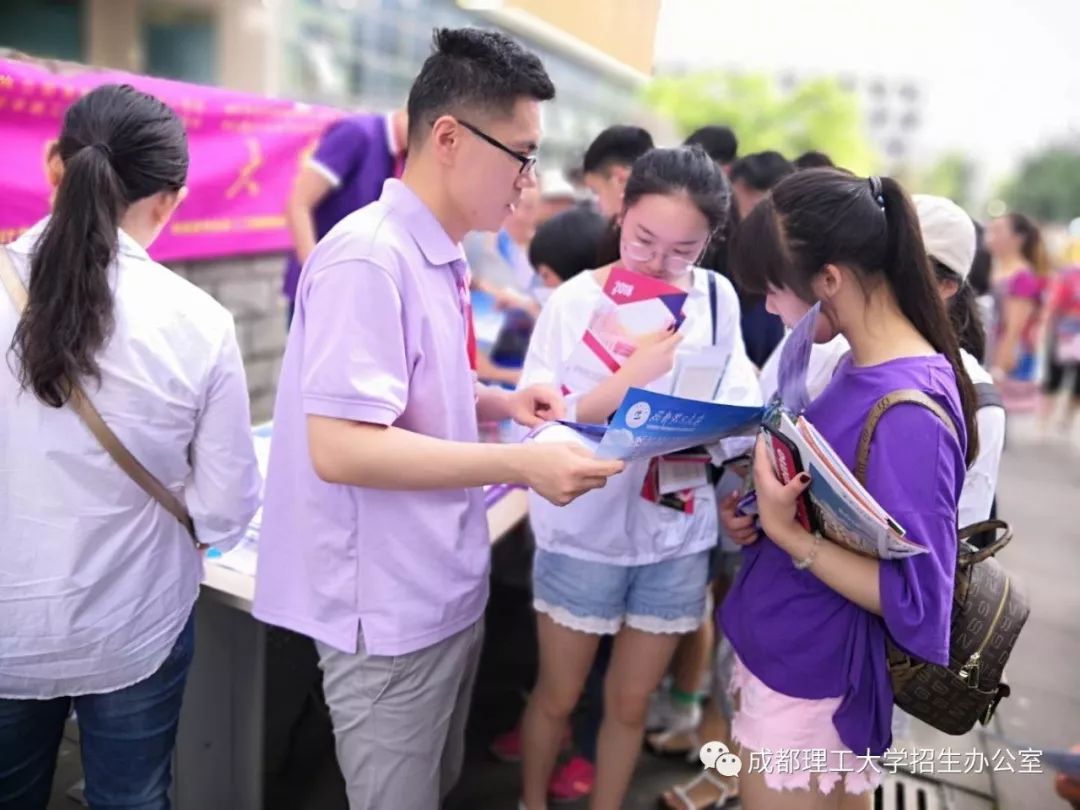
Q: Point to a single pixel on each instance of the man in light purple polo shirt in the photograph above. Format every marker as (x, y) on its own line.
(355, 156)
(375, 539)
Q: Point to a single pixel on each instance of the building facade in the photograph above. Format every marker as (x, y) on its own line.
(352, 54)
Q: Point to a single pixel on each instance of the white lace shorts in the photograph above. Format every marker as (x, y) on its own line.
(794, 741)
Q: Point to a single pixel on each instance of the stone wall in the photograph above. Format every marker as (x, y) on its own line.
(250, 288)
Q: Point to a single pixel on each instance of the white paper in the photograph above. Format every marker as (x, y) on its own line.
(698, 375)
(243, 557)
(675, 476)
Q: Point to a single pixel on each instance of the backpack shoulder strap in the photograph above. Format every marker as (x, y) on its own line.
(714, 304)
(912, 396)
(988, 396)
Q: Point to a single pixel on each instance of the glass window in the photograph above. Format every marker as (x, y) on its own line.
(43, 29)
(181, 44)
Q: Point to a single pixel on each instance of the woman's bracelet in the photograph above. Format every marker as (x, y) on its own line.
(803, 564)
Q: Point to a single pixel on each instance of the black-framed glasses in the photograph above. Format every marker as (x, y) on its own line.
(528, 162)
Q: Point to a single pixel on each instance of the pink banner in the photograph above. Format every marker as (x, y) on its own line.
(244, 154)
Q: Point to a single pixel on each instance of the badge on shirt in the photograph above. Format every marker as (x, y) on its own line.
(671, 480)
(677, 474)
(698, 375)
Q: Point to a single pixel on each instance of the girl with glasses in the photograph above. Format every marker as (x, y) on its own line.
(618, 562)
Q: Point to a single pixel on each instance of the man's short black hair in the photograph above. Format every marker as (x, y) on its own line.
(473, 69)
(761, 170)
(814, 160)
(619, 145)
(569, 242)
(719, 142)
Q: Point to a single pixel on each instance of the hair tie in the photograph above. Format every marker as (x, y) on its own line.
(877, 191)
(102, 147)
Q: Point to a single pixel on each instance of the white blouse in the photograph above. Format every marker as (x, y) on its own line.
(615, 524)
(96, 579)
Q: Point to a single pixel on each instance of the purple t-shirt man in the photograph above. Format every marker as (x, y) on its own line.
(356, 155)
(379, 336)
(799, 636)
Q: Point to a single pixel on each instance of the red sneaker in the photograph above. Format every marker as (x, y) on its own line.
(572, 781)
(507, 746)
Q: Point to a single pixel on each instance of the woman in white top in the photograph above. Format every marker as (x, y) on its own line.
(950, 239)
(97, 580)
(616, 561)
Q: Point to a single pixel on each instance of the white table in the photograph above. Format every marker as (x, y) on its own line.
(219, 751)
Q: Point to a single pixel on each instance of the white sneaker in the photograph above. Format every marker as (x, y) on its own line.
(661, 710)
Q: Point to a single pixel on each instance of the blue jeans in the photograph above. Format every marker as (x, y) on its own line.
(126, 739)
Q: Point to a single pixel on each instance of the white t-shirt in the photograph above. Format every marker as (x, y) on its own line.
(615, 524)
(980, 483)
(824, 358)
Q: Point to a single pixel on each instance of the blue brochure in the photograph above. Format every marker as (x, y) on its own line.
(649, 424)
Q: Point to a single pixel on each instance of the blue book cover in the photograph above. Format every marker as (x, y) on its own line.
(648, 424)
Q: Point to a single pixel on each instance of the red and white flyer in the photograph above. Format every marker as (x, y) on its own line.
(633, 306)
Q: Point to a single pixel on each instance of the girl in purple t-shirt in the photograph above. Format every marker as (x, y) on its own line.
(807, 618)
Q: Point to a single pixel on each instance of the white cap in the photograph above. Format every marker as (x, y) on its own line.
(555, 186)
(947, 231)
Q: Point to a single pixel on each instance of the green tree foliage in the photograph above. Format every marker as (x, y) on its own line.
(952, 176)
(1047, 184)
(815, 114)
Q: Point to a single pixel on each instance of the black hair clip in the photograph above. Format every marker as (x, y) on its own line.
(877, 192)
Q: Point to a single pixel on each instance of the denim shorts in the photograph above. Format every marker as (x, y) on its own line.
(598, 598)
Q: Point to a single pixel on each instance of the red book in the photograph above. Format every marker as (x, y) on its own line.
(788, 465)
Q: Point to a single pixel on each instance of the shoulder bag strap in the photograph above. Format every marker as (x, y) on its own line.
(904, 395)
(713, 305)
(90, 416)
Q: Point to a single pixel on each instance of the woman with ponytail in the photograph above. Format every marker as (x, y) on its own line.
(97, 580)
(807, 618)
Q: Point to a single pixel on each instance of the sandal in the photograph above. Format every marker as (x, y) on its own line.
(661, 744)
(507, 746)
(571, 781)
(723, 792)
(683, 725)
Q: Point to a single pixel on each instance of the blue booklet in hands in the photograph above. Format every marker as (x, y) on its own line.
(649, 424)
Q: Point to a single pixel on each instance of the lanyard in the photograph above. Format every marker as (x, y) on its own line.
(460, 270)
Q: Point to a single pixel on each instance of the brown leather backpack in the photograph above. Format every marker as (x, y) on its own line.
(987, 615)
